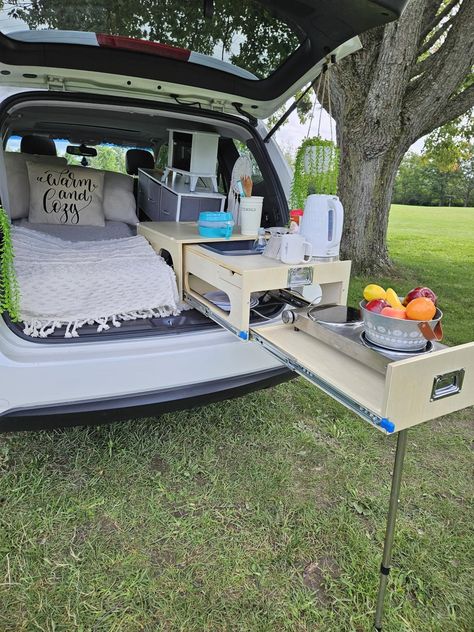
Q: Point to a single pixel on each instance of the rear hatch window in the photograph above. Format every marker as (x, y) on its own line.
(244, 34)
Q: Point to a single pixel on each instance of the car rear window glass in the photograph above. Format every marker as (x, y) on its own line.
(110, 157)
(239, 36)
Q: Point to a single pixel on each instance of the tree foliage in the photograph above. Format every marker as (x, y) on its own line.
(444, 173)
(239, 31)
(109, 158)
(450, 146)
(420, 181)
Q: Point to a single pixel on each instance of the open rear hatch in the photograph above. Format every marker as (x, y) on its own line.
(248, 56)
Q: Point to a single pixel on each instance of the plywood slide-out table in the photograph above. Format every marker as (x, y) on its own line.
(402, 394)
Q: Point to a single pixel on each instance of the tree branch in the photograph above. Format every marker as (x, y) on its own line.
(453, 109)
(424, 65)
(428, 95)
(438, 17)
(436, 35)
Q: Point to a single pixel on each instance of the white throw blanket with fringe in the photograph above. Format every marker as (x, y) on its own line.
(98, 282)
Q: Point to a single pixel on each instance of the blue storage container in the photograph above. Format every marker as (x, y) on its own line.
(215, 224)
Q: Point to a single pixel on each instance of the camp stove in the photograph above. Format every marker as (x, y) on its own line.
(342, 328)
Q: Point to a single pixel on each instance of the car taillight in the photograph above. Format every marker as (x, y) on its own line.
(142, 46)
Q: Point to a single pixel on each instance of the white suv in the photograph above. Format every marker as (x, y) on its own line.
(96, 74)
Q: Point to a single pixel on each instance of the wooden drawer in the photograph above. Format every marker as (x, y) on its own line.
(240, 276)
(410, 391)
(392, 395)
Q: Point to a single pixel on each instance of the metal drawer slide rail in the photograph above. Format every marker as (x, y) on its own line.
(336, 394)
(210, 314)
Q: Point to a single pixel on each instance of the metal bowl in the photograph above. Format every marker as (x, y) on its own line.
(395, 333)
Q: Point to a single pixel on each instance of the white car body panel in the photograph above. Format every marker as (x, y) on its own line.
(39, 375)
(109, 84)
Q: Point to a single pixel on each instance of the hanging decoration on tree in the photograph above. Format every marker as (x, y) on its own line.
(317, 160)
(9, 290)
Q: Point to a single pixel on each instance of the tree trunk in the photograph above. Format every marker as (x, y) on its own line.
(365, 190)
(399, 87)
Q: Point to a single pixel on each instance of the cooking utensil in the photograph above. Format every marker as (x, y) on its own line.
(247, 185)
(221, 300)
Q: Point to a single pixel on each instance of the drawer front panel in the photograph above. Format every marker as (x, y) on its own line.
(189, 210)
(154, 192)
(410, 392)
(210, 204)
(143, 183)
(143, 191)
(430, 386)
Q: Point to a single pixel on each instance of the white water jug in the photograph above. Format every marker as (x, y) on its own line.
(322, 225)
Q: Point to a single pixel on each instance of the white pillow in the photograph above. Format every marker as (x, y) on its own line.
(65, 195)
(119, 201)
(17, 179)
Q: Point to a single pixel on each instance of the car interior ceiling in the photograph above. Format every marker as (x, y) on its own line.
(39, 126)
(121, 126)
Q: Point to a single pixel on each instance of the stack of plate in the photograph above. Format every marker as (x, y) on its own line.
(221, 300)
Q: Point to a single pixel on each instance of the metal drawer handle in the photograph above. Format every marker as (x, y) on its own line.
(447, 384)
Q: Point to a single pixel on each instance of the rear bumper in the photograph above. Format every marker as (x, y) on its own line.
(143, 405)
(58, 385)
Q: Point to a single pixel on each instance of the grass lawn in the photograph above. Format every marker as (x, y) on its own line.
(265, 513)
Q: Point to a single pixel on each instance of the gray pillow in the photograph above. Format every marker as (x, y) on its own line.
(119, 201)
(65, 195)
(17, 179)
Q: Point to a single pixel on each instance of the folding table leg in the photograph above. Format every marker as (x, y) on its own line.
(390, 531)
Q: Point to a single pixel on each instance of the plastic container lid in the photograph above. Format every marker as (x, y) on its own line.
(215, 216)
(204, 224)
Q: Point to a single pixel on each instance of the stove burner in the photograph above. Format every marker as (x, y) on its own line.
(392, 353)
(335, 315)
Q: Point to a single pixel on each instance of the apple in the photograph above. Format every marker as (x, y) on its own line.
(376, 305)
(418, 292)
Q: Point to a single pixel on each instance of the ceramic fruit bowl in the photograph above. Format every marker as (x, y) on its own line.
(399, 334)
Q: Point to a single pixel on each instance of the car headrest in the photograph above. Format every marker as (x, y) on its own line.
(40, 145)
(138, 159)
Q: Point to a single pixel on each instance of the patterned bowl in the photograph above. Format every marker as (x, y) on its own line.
(395, 333)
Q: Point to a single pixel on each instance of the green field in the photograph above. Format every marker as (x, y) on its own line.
(265, 513)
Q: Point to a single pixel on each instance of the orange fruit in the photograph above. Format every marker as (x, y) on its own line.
(421, 308)
(391, 312)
